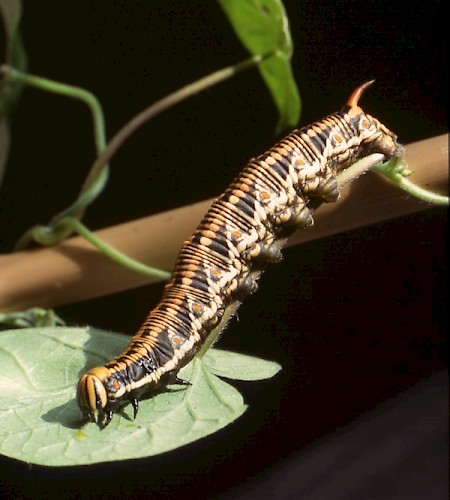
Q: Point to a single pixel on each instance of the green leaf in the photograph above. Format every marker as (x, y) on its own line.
(239, 366)
(277, 73)
(40, 421)
(262, 27)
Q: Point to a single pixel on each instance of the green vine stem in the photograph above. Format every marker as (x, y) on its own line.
(396, 172)
(167, 102)
(115, 255)
(92, 187)
(15, 76)
(98, 174)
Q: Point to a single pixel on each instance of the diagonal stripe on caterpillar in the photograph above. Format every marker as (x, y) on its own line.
(240, 233)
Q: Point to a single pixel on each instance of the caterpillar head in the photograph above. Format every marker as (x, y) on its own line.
(374, 137)
(92, 396)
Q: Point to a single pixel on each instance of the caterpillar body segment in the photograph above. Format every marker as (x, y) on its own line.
(241, 233)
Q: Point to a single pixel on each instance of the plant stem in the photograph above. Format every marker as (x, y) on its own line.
(167, 102)
(93, 184)
(210, 340)
(114, 254)
(98, 174)
(395, 175)
(359, 168)
(50, 276)
(87, 97)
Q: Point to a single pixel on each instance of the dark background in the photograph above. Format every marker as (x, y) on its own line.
(355, 319)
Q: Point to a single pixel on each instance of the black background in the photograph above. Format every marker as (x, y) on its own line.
(355, 319)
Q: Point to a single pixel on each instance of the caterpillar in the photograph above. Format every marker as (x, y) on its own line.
(241, 233)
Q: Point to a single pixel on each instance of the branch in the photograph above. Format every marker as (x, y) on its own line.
(74, 270)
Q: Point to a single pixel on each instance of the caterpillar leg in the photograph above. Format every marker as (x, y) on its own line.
(326, 189)
(263, 253)
(245, 288)
(181, 381)
(269, 254)
(135, 405)
(295, 214)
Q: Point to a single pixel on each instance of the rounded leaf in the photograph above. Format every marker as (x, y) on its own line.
(40, 421)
